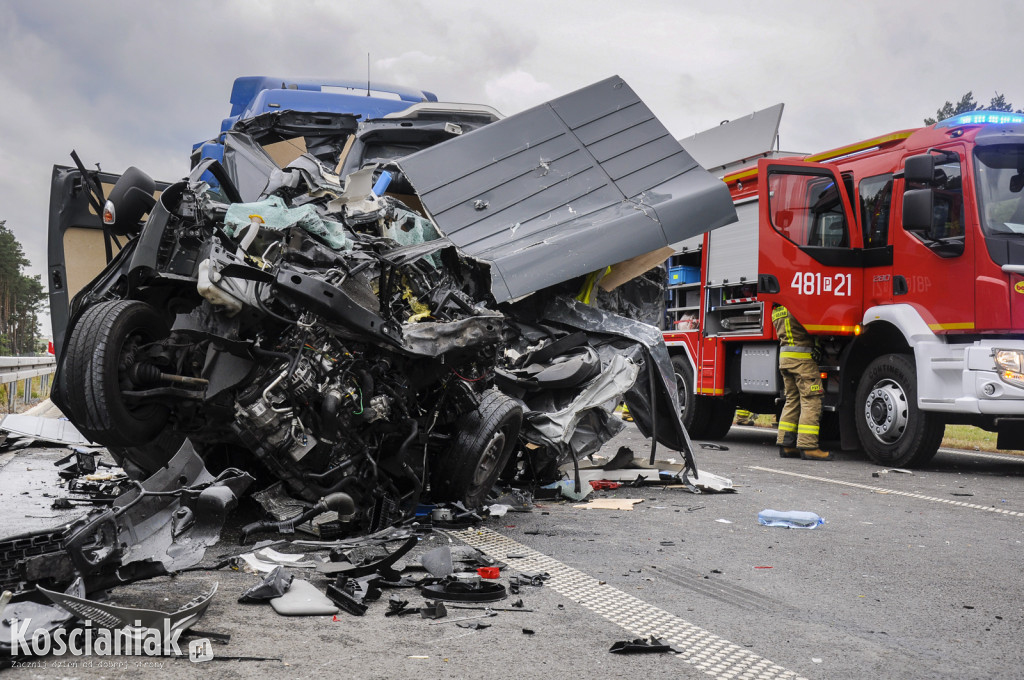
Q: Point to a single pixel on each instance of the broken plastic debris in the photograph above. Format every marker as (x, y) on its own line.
(567, 488)
(724, 521)
(640, 646)
(303, 599)
(498, 509)
(793, 519)
(489, 572)
(274, 585)
(133, 620)
(610, 504)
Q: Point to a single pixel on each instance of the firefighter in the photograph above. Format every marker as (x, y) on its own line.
(745, 417)
(798, 424)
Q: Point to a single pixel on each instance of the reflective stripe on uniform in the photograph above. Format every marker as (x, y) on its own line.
(786, 427)
(807, 429)
(795, 355)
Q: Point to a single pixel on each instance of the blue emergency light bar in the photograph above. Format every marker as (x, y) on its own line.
(982, 118)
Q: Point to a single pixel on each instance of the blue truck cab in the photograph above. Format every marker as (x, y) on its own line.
(252, 96)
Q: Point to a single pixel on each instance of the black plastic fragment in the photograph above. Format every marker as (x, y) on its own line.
(433, 610)
(274, 585)
(650, 645)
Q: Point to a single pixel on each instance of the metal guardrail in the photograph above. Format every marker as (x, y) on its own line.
(13, 369)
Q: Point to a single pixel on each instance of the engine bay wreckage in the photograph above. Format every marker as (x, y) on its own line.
(398, 314)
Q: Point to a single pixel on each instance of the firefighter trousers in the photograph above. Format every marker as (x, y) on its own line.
(798, 424)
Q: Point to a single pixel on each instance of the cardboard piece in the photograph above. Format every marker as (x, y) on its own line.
(286, 151)
(634, 267)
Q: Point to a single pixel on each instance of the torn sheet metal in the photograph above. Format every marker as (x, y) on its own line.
(56, 430)
(565, 188)
(603, 393)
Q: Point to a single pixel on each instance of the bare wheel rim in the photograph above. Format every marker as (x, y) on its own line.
(489, 458)
(886, 411)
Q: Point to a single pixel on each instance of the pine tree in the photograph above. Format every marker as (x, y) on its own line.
(21, 298)
(966, 104)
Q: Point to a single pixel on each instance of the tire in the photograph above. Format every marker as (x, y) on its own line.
(892, 429)
(703, 417)
(97, 362)
(479, 452)
(720, 420)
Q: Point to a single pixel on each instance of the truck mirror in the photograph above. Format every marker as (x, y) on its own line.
(129, 200)
(918, 208)
(920, 169)
(1017, 183)
(784, 219)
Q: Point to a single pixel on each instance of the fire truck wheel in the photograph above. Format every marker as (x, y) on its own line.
(720, 419)
(100, 353)
(695, 410)
(890, 426)
(480, 451)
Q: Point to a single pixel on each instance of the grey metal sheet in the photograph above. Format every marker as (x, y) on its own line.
(736, 140)
(565, 188)
(733, 250)
(56, 430)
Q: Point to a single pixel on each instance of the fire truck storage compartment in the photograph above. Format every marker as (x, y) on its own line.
(732, 306)
(759, 368)
(682, 294)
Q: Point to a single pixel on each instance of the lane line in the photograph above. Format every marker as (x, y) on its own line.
(894, 492)
(1002, 457)
(709, 653)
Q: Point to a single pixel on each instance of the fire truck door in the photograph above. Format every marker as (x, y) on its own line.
(811, 257)
(933, 268)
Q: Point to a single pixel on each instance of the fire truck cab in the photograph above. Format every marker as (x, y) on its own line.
(903, 253)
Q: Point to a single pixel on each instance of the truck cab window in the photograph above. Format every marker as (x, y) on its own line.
(999, 175)
(807, 209)
(875, 203)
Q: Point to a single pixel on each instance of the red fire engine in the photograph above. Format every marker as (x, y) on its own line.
(905, 255)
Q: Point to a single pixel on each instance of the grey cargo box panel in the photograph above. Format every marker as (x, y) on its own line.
(565, 188)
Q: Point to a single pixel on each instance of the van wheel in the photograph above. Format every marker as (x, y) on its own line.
(101, 352)
(479, 452)
(891, 428)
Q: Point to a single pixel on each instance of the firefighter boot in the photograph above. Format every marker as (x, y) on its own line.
(815, 454)
(788, 452)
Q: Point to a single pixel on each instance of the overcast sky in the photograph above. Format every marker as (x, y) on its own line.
(137, 83)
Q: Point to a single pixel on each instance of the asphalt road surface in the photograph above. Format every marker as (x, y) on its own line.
(912, 576)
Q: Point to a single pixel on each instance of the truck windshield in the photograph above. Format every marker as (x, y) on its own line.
(1000, 177)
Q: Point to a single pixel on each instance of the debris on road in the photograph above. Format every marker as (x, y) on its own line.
(303, 599)
(610, 504)
(792, 519)
(651, 645)
(274, 585)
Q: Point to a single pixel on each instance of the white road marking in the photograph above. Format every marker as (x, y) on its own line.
(893, 492)
(711, 654)
(1003, 457)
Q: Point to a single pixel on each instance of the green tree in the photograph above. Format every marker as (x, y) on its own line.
(21, 298)
(966, 104)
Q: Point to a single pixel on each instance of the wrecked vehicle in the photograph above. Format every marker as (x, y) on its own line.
(392, 314)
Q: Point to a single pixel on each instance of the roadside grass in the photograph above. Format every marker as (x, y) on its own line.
(956, 436)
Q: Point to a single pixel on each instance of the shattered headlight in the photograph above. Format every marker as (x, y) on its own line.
(1009, 362)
